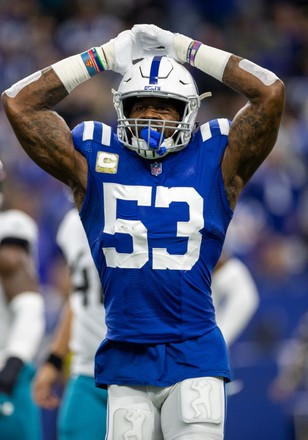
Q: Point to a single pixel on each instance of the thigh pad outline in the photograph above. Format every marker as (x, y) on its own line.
(133, 424)
(202, 400)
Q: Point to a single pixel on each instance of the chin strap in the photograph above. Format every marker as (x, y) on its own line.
(205, 95)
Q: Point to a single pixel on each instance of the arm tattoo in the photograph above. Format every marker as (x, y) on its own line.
(43, 134)
(254, 129)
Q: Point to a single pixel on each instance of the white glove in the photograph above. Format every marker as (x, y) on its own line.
(157, 41)
(121, 51)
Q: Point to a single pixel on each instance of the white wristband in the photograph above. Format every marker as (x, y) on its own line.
(206, 58)
(211, 61)
(79, 68)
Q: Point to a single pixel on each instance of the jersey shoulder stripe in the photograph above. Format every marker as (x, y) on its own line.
(216, 127)
(93, 131)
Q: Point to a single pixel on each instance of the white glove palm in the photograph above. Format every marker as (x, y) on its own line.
(157, 41)
(122, 50)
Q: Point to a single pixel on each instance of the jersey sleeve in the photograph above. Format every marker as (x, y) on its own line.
(216, 127)
(90, 133)
(77, 134)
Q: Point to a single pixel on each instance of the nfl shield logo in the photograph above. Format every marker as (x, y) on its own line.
(156, 168)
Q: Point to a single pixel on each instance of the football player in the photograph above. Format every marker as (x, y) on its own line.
(155, 199)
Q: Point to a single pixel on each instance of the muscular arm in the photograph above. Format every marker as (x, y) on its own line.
(43, 134)
(254, 129)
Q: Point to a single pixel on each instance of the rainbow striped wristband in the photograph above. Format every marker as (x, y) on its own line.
(77, 69)
(93, 61)
(192, 52)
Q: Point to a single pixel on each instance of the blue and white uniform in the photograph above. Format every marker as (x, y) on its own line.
(156, 230)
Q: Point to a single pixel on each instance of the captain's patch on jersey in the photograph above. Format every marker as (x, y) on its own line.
(106, 162)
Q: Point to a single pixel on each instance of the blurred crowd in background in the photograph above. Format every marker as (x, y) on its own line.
(270, 229)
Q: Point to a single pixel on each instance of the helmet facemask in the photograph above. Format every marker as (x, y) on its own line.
(154, 138)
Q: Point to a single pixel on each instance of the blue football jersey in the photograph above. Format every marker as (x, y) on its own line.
(156, 229)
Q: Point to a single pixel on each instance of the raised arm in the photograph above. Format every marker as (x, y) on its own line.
(255, 127)
(42, 133)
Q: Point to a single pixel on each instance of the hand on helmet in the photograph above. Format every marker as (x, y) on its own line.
(144, 40)
(121, 51)
(157, 41)
(118, 52)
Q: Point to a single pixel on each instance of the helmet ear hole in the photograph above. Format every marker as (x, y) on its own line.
(127, 106)
(179, 106)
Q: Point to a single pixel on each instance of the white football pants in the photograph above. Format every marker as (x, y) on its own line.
(190, 410)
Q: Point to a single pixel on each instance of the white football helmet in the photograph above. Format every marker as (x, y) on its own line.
(160, 77)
